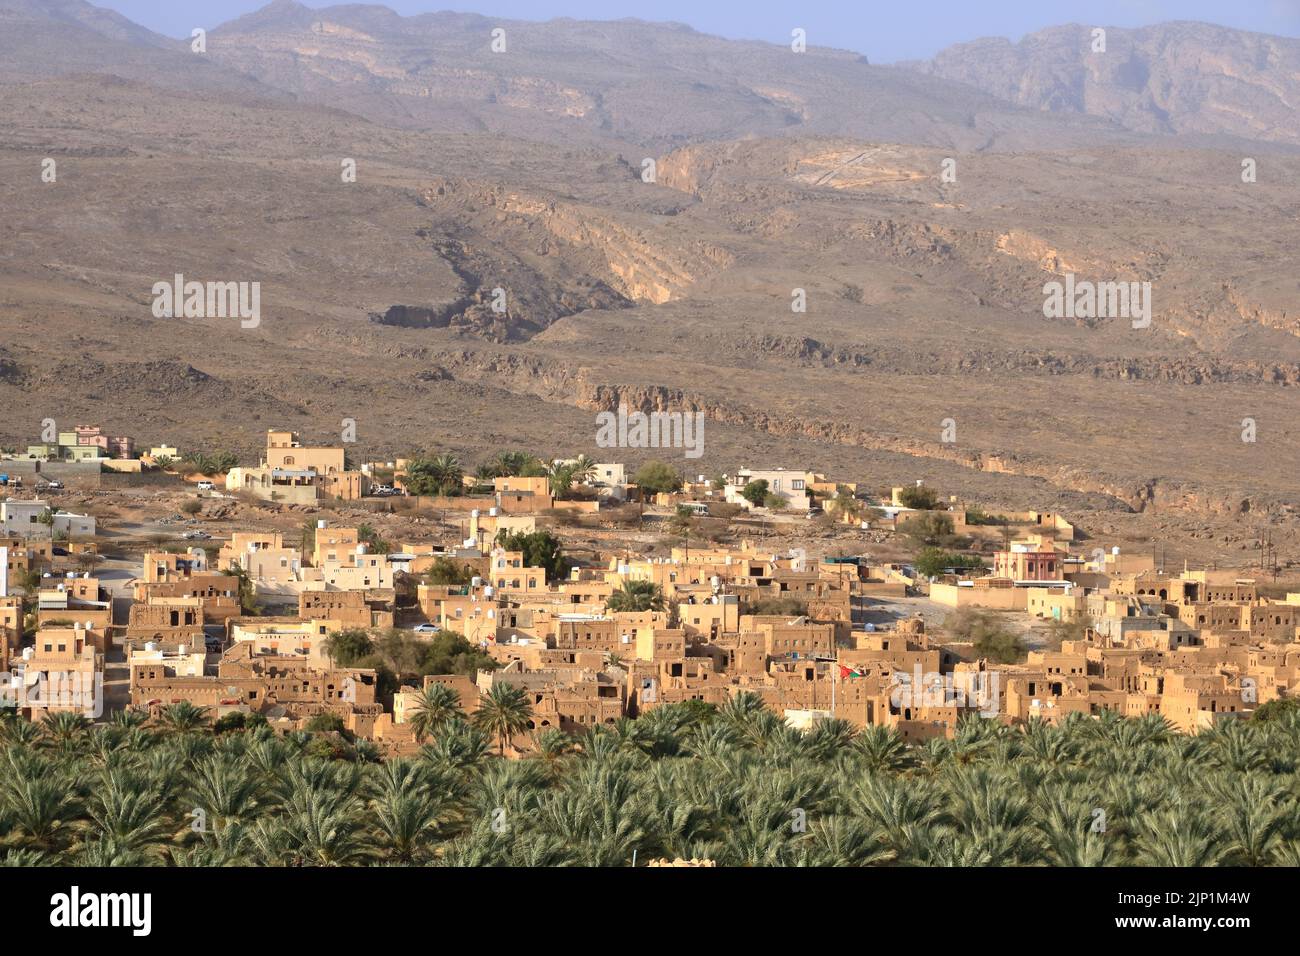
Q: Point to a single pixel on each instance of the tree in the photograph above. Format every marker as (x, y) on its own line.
(541, 549)
(584, 469)
(533, 467)
(977, 516)
(933, 528)
(209, 465)
(246, 588)
(683, 520)
(932, 562)
(325, 723)
(29, 579)
(229, 722)
(511, 464)
(400, 656)
(371, 538)
(407, 811)
(1276, 710)
(657, 477)
(503, 711)
(40, 808)
(445, 571)
(448, 652)
(437, 705)
(844, 503)
(755, 492)
(484, 476)
(184, 717)
(920, 497)
(636, 596)
(560, 479)
(441, 476)
(990, 636)
(346, 647)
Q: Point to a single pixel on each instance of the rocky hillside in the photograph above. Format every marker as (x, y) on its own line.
(1170, 78)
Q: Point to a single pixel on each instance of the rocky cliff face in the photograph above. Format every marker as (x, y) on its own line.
(641, 266)
(1170, 78)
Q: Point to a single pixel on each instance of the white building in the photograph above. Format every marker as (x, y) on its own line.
(22, 517)
(790, 485)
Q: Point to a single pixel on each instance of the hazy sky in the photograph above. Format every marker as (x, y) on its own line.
(885, 30)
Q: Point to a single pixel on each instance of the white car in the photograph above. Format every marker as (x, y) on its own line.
(205, 486)
(426, 629)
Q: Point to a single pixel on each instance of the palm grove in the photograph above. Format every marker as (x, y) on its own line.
(733, 784)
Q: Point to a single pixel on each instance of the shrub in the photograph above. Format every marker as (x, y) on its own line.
(920, 497)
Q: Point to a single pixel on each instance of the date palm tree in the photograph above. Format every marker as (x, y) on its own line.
(1254, 812)
(183, 717)
(841, 841)
(880, 748)
(461, 747)
(318, 825)
(226, 789)
(130, 810)
(40, 809)
(1181, 835)
(66, 730)
(436, 706)
(503, 712)
(409, 804)
(508, 464)
(446, 472)
(844, 503)
(245, 588)
(560, 479)
(636, 596)
(583, 469)
(553, 747)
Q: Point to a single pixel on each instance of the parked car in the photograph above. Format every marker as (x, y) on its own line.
(426, 629)
(197, 536)
(206, 486)
(59, 552)
(54, 485)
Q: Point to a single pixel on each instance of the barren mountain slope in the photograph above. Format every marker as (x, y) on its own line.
(1170, 78)
(626, 83)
